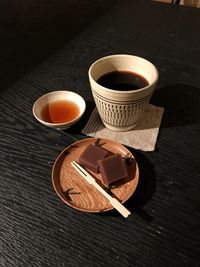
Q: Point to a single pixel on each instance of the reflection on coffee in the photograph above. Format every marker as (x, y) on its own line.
(123, 81)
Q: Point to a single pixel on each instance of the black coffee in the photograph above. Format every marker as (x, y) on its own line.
(122, 81)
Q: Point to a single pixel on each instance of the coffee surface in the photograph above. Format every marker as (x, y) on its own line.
(123, 81)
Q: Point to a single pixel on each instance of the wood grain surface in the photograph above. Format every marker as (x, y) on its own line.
(36, 228)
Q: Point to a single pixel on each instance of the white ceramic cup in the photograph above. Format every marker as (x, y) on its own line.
(122, 110)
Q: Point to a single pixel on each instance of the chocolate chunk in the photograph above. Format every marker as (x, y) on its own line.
(112, 169)
(90, 156)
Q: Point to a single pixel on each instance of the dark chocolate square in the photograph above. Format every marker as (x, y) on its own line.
(112, 169)
(90, 156)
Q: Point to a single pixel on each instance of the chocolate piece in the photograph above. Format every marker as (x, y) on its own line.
(90, 156)
(112, 169)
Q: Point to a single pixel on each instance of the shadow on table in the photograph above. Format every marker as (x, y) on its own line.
(144, 191)
(181, 103)
(77, 127)
(31, 31)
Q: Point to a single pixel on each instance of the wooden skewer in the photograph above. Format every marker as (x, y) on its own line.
(113, 201)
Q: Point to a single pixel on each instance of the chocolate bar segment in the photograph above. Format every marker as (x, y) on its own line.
(112, 169)
(88, 159)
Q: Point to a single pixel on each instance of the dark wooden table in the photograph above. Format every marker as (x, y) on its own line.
(37, 229)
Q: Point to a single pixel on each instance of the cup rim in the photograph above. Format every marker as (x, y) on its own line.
(58, 123)
(120, 91)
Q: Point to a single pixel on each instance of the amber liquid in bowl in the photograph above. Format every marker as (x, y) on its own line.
(60, 111)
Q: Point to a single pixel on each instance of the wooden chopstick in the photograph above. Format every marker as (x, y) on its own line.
(113, 201)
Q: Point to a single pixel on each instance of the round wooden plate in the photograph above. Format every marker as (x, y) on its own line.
(78, 193)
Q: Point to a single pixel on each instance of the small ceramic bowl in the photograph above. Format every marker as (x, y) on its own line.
(45, 102)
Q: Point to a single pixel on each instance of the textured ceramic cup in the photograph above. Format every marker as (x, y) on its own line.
(122, 110)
